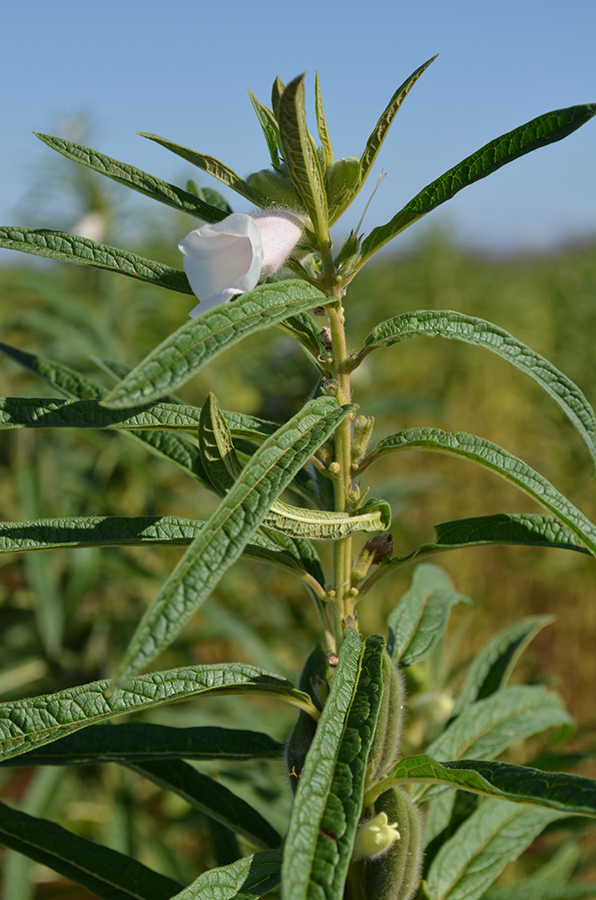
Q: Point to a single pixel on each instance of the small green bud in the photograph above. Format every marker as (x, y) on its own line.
(274, 189)
(342, 183)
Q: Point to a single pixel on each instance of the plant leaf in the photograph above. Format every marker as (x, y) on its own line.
(107, 874)
(208, 164)
(568, 891)
(246, 879)
(487, 727)
(300, 155)
(185, 352)
(456, 326)
(493, 457)
(136, 179)
(492, 666)
(379, 133)
(545, 129)
(417, 623)
(270, 128)
(140, 741)
(495, 834)
(211, 798)
(572, 794)
(230, 528)
(31, 723)
(329, 796)
(65, 247)
(322, 124)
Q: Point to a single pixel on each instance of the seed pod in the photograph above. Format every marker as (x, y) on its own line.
(384, 751)
(395, 874)
(313, 680)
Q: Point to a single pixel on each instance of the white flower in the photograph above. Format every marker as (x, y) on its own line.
(375, 837)
(230, 257)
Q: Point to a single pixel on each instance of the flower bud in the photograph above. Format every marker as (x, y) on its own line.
(274, 188)
(341, 185)
(375, 837)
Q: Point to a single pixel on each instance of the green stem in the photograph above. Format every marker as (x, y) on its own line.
(342, 551)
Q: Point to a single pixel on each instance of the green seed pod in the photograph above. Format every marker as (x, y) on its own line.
(394, 874)
(342, 183)
(274, 188)
(384, 751)
(313, 680)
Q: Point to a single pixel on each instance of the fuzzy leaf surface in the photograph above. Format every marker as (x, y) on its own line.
(572, 794)
(185, 352)
(140, 741)
(568, 891)
(329, 796)
(31, 723)
(418, 622)
(491, 456)
(136, 179)
(65, 247)
(108, 874)
(495, 834)
(246, 879)
(543, 130)
(230, 528)
(471, 330)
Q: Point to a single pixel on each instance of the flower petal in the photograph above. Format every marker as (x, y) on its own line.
(222, 260)
(280, 232)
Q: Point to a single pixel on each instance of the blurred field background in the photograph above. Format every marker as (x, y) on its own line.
(65, 616)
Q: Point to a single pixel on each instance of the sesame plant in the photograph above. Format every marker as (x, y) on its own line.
(373, 814)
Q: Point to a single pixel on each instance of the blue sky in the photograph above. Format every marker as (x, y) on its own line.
(182, 70)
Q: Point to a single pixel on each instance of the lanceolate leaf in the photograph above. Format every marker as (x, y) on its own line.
(211, 798)
(186, 351)
(142, 741)
(31, 723)
(270, 128)
(230, 528)
(246, 879)
(504, 528)
(174, 448)
(492, 666)
(32, 412)
(469, 862)
(329, 796)
(572, 794)
(418, 621)
(564, 891)
(489, 455)
(322, 124)
(65, 247)
(375, 141)
(300, 155)
(487, 727)
(545, 129)
(134, 178)
(107, 874)
(208, 164)
(456, 326)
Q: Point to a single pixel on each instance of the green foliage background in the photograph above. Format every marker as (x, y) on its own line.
(66, 616)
